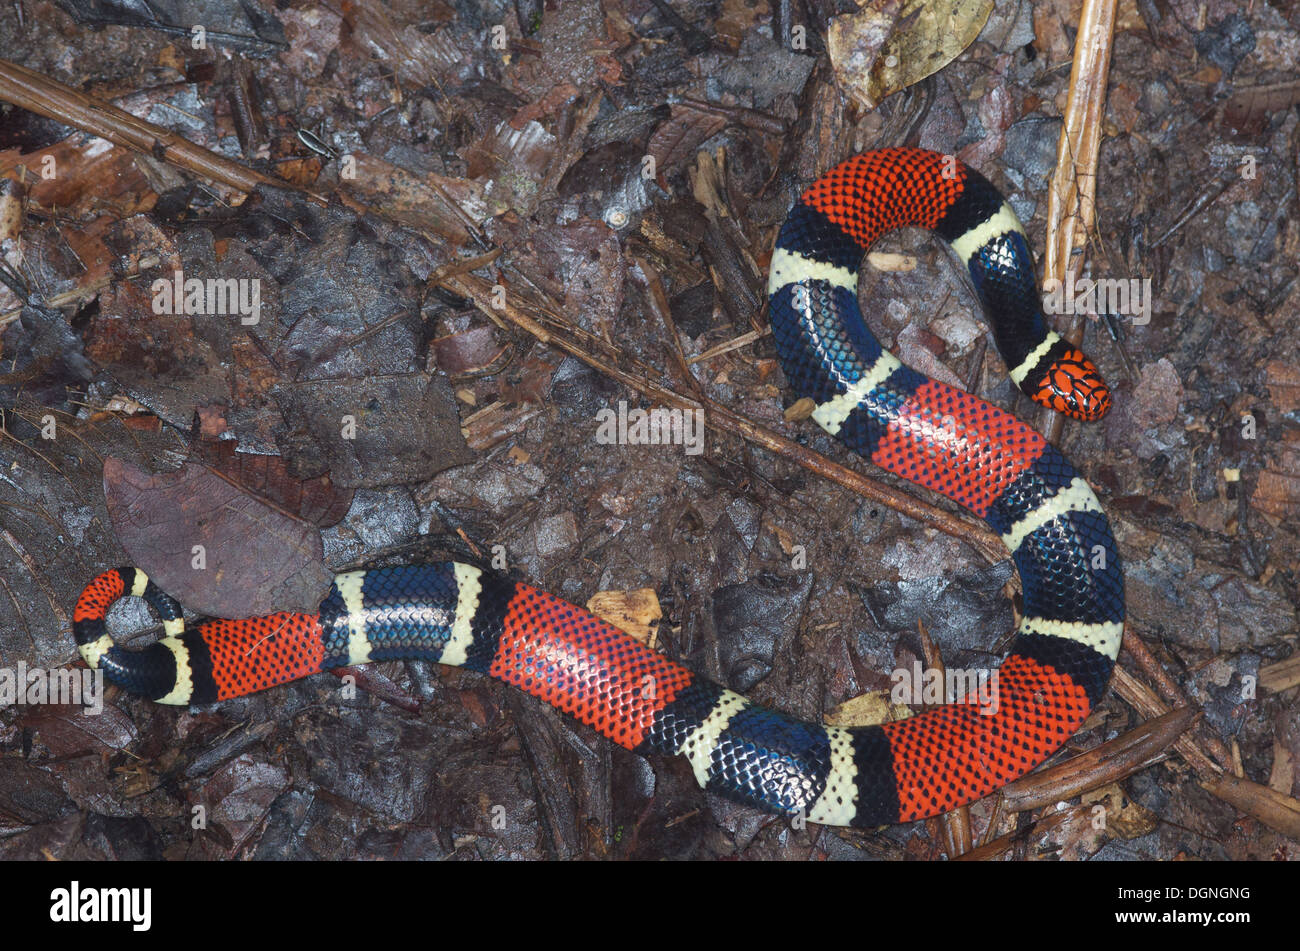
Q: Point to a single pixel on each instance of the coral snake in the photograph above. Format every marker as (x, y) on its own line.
(927, 432)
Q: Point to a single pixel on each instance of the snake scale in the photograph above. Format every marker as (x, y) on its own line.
(929, 433)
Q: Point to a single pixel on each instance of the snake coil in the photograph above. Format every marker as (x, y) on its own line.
(925, 431)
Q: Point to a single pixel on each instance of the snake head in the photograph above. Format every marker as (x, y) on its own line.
(1073, 385)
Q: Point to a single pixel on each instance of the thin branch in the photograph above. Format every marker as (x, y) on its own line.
(47, 97)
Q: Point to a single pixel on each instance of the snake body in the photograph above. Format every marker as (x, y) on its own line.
(925, 431)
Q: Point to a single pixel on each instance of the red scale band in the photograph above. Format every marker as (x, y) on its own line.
(256, 653)
(957, 753)
(579, 664)
(921, 186)
(98, 596)
(957, 444)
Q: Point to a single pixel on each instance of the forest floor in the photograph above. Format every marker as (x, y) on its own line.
(401, 139)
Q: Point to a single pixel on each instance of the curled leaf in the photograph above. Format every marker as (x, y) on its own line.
(888, 45)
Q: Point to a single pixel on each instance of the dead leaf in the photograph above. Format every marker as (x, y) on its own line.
(1124, 817)
(469, 351)
(213, 546)
(317, 500)
(888, 45)
(1247, 114)
(238, 798)
(676, 139)
(73, 731)
(868, 709)
(1281, 777)
(636, 612)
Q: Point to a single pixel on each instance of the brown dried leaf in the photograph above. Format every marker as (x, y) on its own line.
(11, 210)
(516, 159)
(529, 383)
(800, 409)
(238, 798)
(1248, 112)
(158, 353)
(1277, 494)
(559, 95)
(418, 58)
(255, 558)
(317, 500)
(377, 431)
(1281, 778)
(737, 19)
(73, 731)
(1078, 835)
(867, 709)
(582, 261)
(469, 351)
(146, 423)
(675, 140)
(1283, 381)
(1124, 817)
(89, 177)
(1277, 487)
(888, 45)
(421, 203)
(636, 612)
(28, 794)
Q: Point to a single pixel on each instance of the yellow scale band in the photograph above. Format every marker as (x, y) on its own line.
(1001, 222)
(1019, 373)
(93, 652)
(184, 689)
(1075, 497)
(838, 803)
(832, 414)
(349, 587)
(699, 746)
(468, 588)
(791, 267)
(1103, 637)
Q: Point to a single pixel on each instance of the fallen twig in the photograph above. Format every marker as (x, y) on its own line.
(47, 97)
(1108, 763)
